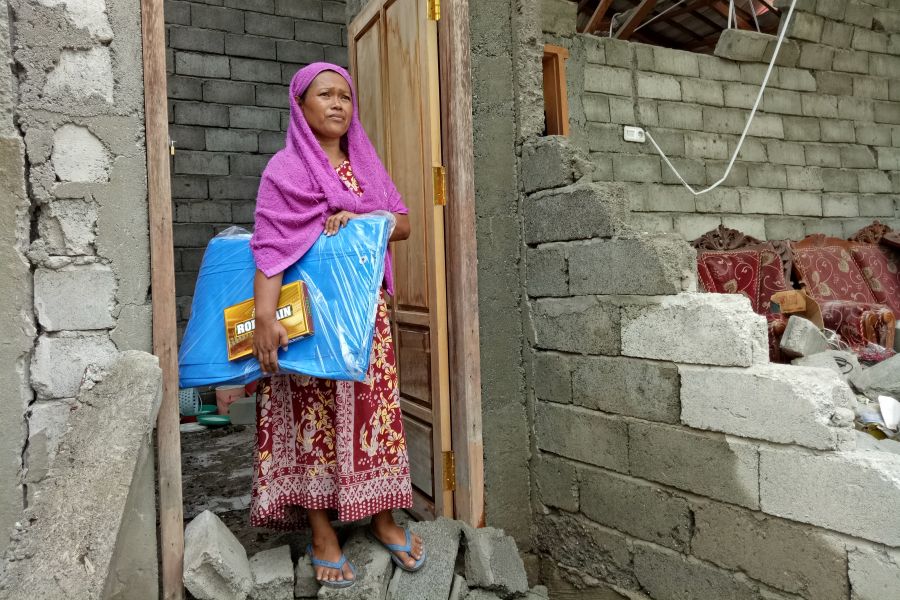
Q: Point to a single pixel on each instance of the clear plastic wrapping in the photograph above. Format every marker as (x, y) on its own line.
(343, 274)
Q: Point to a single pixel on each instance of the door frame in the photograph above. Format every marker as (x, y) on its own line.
(461, 256)
(454, 56)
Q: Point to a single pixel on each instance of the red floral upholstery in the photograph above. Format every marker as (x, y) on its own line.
(834, 279)
(756, 273)
(830, 273)
(881, 269)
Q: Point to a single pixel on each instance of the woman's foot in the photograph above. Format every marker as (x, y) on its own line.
(388, 532)
(325, 546)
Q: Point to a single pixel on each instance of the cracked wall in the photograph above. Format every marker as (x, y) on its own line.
(82, 240)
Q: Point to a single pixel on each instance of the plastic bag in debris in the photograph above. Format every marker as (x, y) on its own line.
(343, 275)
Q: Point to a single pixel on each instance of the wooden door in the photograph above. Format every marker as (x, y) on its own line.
(394, 59)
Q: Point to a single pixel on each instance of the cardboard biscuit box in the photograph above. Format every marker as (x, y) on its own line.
(293, 312)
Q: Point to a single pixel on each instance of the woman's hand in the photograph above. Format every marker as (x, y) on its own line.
(268, 336)
(334, 223)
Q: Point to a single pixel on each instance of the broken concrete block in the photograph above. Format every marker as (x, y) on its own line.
(460, 589)
(558, 17)
(800, 486)
(373, 570)
(59, 362)
(841, 362)
(874, 571)
(493, 563)
(779, 403)
(215, 562)
(273, 574)
(305, 584)
(435, 579)
(243, 411)
(75, 298)
(802, 338)
(882, 379)
(711, 329)
(538, 592)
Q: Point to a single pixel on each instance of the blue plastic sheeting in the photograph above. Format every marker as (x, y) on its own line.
(343, 273)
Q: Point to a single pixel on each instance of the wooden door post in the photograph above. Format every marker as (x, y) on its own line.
(162, 280)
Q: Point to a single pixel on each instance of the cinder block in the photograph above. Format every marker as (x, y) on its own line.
(575, 212)
(816, 56)
(823, 155)
(201, 65)
(807, 27)
(214, 17)
(556, 482)
(320, 33)
(819, 106)
(705, 145)
(803, 129)
(784, 102)
(608, 80)
(742, 45)
(888, 158)
(660, 87)
(857, 157)
(784, 229)
(637, 168)
(680, 116)
(250, 117)
(724, 120)
(585, 324)
(840, 205)
(837, 35)
(263, 71)
(588, 548)
(718, 69)
(789, 78)
(839, 180)
(249, 46)
(871, 134)
(215, 563)
(268, 25)
(553, 377)
(675, 62)
(875, 182)
(58, 363)
(767, 175)
(184, 88)
(716, 329)
(702, 92)
(272, 572)
(795, 558)
(263, 6)
(779, 403)
(299, 52)
(804, 178)
(883, 65)
(761, 201)
(234, 188)
(583, 435)
(693, 226)
(753, 226)
(189, 186)
(873, 570)
(248, 164)
(714, 465)
(802, 203)
(638, 508)
(549, 162)
(659, 571)
(636, 388)
(859, 13)
(785, 153)
(226, 92)
(719, 200)
(178, 13)
(651, 265)
(200, 163)
(800, 486)
(851, 61)
(194, 38)
(596, 109)
(231, 140)
(548, 270)
(270, 142)
(301, 9)
(75, 298)
(337, 55)
(887, 112)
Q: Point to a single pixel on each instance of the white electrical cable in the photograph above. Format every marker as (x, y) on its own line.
(740, 143)
(753, 12)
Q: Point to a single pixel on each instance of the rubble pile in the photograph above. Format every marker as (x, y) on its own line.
(876, 384)
(463, 564)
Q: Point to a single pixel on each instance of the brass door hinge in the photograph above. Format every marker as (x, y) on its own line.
(449, 471)
(440, 186)
(434, 10)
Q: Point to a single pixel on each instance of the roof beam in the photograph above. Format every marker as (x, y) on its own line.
(637, 17)
(597, 17)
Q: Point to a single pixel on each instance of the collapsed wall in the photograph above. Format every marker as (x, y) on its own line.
(82, 224)
(670, 458)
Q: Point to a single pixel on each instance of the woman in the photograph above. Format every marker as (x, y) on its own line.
(326, 445)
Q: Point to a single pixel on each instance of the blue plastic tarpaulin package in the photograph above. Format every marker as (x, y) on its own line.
(343, 274)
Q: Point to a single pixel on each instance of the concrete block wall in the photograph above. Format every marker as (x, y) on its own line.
(79, 264)
(822, 155)
(670, 459)
(229, 65)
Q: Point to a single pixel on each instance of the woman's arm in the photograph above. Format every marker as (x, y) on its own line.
(401, 228)
(269, 334)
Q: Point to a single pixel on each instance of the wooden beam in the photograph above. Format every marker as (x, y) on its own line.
(162, 281)
(462, 260)
(597, 17)
(637, 17)
(723, 10)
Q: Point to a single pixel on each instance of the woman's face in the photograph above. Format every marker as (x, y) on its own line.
(327, 105)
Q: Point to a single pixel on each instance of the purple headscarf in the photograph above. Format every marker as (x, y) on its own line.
(300, 188)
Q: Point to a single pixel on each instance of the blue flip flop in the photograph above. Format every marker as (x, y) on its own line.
(332, 565)
(407, 547)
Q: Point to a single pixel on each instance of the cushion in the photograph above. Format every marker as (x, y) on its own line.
(881, 270)
(830, 273)
(733, 272)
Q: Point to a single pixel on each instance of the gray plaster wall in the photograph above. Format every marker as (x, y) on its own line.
(81, 215)
(229, 66)
(16, 295)
(823, 152)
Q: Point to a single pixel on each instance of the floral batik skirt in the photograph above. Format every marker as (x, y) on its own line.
(326, 444)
